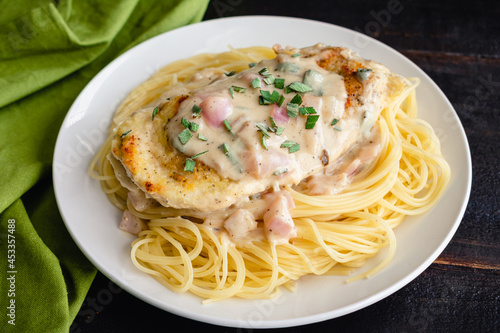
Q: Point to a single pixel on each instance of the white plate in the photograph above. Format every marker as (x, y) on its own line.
(93, 221)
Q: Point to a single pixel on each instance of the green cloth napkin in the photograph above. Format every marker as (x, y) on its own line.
(49, 51)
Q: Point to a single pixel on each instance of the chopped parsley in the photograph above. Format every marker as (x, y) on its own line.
(311, 121)
(262, 128)
(239, 89)
(232, 89)
(199, 154)
(230, 156)
(280, 171)
(334, 122)
(184, 136)
(363, 73)
(190, 161)
(273, 123)
(155, 112)
(292, 110)
(296, 99)
(266, 97)
(228, 127)
(300, 87)
(275, 128)
(280, 101)
(124, 134)
(196, 111)
(185, 122)
(307, 110)
(256, 83)
(263, 142)
(192, 126)
(190, 164)
(265, 72)
(288, 67)
(231, 73)
(279, 83)
(291, 145)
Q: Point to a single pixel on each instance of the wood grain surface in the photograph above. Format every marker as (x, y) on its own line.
(458, 45)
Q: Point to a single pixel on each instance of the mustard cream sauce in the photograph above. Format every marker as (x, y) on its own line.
(238, 153)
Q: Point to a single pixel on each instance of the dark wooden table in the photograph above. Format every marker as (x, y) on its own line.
(458, 45)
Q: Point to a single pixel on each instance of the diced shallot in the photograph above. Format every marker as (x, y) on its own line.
(131, 223)
(215, 109)
(272, 196)
(139, 200)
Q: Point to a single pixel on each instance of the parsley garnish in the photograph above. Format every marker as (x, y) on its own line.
(228, 127)
(263, 129)
(270, 98)
(307, 110)
(196, 111)
(230, 156)
(265, 72)
(275, 128)
(291, 145)
(300, 87)
(184, 136)
(155, 112)
(269, 79)
(192, 126)
(190, 164)
(280, 171)
(190, 161)
(279, 83)
(292, 110)
(288, 67)
(256, 83)
(239, 89)
(334, 122)
(363, 73)
(231, 73)
(273, 123)
(199, 154)
(296, 99)
(263, 142)
(311, 121)
(185, 122)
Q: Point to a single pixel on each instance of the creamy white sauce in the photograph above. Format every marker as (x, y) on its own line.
(250, 160)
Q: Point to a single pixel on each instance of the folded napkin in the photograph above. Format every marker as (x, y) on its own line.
(49, 51)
